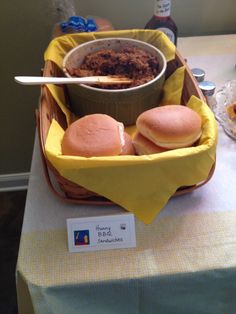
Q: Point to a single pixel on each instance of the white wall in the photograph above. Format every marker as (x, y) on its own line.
(193, 17)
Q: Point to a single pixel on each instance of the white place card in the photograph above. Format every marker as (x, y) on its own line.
(101, 233)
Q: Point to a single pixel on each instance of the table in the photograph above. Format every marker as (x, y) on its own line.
(184, 262)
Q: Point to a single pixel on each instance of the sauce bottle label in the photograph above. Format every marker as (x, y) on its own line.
(162, 8)
(168, 33)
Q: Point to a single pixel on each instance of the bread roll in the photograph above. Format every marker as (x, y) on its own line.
(128, 147)
(92, 136)
(170, 126)
(145, 147)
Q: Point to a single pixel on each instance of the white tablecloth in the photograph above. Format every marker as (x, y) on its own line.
(184, 261)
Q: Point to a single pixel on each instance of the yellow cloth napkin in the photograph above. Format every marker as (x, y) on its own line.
(140, 184)
(59, 46)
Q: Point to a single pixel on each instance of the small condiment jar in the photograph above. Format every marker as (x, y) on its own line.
(208, 90)
(199, 74)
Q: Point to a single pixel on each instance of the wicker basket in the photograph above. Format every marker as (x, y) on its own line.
(48, 109)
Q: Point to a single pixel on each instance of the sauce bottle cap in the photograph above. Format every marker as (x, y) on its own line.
(207, 88)
(199, 74)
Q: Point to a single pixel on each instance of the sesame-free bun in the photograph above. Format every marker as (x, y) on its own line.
(92, 136)
(170, 126)
(145, 147)
(128, 147)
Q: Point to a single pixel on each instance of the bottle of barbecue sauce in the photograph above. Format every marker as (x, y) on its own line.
(162, 20)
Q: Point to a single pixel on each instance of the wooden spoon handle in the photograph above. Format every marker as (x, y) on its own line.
(40, 80)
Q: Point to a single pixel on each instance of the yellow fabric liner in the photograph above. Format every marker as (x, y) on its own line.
(59, 46)
(140, 184)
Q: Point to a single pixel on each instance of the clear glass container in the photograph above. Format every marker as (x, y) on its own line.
(224, 99)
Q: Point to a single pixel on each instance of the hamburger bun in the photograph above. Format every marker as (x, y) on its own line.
(128, 147)
(92, 136)
(170, 126)
(145, 147)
